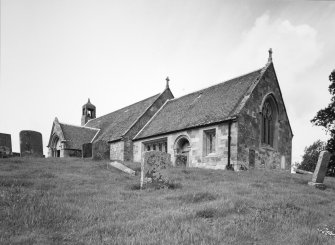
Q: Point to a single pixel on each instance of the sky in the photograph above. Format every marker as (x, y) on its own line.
(55, 54)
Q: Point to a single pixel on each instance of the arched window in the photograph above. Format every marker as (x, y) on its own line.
(269, 117)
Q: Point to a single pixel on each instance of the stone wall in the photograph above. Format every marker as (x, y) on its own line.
(31, 143)
(5, 145)
(70, 153)
(251, 151)
(197, 155)
(117, 151)
(100, 150)
(128, 150)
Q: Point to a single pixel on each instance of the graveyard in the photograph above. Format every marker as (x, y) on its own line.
(80, 201)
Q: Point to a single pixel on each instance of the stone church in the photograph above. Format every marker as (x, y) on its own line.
(241, 123)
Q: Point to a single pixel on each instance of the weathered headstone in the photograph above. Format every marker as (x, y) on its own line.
(251, 158)
(320, 170)
(153, 169)
(5, 145)
(122, 167)
(283, 162)
(86, 150)
(100, 150)
(181, 160)
(31, 143)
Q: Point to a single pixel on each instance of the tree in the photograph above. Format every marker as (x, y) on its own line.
(326, 119)
(311, 155)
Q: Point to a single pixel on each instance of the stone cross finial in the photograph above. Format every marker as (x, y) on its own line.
(270, 55)
(167, 82)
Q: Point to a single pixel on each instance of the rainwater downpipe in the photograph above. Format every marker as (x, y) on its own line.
(229, 140)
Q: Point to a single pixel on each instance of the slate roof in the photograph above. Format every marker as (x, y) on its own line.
(115, 124)
(214, 104)
(75, 136)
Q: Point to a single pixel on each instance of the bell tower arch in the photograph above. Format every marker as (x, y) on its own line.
(88, 112)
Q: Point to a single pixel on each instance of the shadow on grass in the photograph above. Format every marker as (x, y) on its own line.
(13, 160)
(155, 186)
(207, 213)
(194, 198)
(47, 175)
(11, 182)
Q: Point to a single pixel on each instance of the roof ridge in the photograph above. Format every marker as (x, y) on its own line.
(220, 83)
(79, 126)
(122, 108)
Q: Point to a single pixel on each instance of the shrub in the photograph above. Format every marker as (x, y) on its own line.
(196, 197)
(181, 160)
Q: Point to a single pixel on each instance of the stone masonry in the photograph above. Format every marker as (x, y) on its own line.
(125, 152)
(249, 129)
(197, 157)
(31, 143)
(5, 145)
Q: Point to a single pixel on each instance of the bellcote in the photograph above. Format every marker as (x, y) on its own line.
(88, 112)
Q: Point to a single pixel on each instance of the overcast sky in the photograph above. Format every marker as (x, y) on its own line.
(55, 54)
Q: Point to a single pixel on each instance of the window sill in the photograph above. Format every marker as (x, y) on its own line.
(213, 154)
(267, 147)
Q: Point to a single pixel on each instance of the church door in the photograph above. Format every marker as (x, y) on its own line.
(183, 148)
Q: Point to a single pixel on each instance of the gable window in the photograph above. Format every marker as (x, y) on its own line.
(269, 116)
(209, 141)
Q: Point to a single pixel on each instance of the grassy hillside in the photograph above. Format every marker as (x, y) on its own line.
(60, 201)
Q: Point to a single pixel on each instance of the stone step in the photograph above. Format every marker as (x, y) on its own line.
(300, 171)
(122, 167)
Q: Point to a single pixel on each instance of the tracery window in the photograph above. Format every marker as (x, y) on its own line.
(268, 117)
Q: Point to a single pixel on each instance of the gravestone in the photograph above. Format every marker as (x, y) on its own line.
(154, 167)
(5, 145)
(86, 150)
(320, 170)
(283, 162)
(100, 150)
(31, 143)
(251, 158)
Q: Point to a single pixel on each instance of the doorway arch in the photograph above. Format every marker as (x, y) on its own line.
(182, 148)
(55, 146)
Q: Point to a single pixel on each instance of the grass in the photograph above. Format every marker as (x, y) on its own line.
(75, 201)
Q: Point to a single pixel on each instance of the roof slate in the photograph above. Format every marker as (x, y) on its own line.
(214, 104)
(76, 136)
(115, 124)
